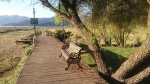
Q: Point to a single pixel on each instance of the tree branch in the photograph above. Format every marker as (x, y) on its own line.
(148, 2)
(61, 14)
(74, 3)
(139, 77)
(66, 5)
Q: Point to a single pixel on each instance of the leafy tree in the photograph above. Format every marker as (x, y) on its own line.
(96, 17)
(58, 20)
(125, 15)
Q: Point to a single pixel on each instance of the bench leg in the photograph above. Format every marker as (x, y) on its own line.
(67, 67)
(79, 65)
(60, 55)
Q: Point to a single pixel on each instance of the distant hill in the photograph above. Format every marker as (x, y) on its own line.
(16, 20)
(12, 19)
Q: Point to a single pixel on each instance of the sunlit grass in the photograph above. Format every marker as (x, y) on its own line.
(115, 56)
(124, 52)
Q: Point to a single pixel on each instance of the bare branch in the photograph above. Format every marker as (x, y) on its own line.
(48, 5)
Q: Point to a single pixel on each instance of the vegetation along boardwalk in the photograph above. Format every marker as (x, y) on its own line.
(45, 67)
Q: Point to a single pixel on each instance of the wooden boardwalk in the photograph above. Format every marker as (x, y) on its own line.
(45, 67)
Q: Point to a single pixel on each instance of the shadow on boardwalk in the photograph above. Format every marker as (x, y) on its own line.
(45, 67)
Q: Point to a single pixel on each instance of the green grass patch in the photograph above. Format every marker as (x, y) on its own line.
(87, 57)
(124, 52)
(115, 56)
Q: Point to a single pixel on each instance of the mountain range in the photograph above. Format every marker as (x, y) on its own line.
(15, 20)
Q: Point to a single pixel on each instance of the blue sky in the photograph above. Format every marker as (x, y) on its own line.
(24, 8)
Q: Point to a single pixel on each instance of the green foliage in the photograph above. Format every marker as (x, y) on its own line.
(61, 34)
(125, 16)
(138, 42)
(124, 13)
(58, 20)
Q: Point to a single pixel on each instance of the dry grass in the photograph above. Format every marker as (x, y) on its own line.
(8, 45)
(74, 31)
(10, 53)
(140, 33)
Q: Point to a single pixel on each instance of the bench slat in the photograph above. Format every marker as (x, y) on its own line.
(65, 54)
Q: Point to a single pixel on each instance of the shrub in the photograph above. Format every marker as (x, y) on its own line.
(48, 33)
(138, 42)
(38, 33)
(62, 35)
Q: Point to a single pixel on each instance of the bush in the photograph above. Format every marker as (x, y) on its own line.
(48, 33)
(62, 35)
(138, 42)
(38, 33)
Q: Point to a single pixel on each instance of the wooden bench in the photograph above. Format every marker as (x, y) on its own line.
(27, 41)
(72, 54)
(24, 41)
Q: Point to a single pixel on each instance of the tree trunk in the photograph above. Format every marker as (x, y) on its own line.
(92, 44)
(122, 44)
(104, 34)
(139, 77)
